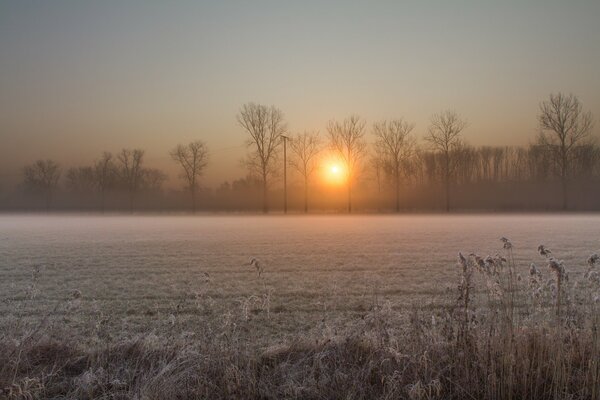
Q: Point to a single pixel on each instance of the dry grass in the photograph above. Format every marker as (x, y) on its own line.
(497, 335)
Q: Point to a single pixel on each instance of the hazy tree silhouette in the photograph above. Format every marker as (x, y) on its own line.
(564, 127)
(396, 145)
(193, 159)
(265, 125)
(153, 180)
(305, 148)
(347, 141)
(444, 137)
(377, 164)
(42, 177)
(105, 172)
(80, 179)
(131, 172)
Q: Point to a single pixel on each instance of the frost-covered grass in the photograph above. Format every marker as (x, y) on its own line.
(361, 307)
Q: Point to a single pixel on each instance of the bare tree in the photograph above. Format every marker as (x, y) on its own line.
(444, 136)
(193, 159)
(131, 171)
(265, 125)
(42, 177)
(153, 179)
(305, 147)
(378, 164)
(564, 126)
(80, 179)
(347, 141)
(397, 146)
(104, 175)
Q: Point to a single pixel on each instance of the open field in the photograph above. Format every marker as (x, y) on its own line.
(140, 270)
(99, 281)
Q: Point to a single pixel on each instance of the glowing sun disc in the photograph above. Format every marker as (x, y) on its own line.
(334, 173)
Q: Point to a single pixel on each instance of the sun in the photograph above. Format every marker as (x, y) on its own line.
(334, 173)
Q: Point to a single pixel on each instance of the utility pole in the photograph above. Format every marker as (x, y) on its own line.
(285, 138)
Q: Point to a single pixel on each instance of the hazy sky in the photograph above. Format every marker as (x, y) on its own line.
(80, 77)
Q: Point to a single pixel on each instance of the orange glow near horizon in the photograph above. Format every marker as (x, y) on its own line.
(333, 172)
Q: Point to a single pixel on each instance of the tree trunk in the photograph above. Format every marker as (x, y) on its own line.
(102, 200)
(564, 178)
(193, 201)
(397, 190)
(447, 194)
(305, 195)
(349, 197)
(265, 200)
(284, 175)
(447, 182)
(564, 193)
(48, 200)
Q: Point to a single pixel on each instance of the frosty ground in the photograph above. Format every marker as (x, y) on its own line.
(118, 276)
(299, 307)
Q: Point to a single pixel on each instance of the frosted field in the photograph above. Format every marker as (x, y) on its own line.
(179, 273)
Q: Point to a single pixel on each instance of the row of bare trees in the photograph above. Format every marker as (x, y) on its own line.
(266, 128)
(564, 145)
(125, 171)
(563, 150)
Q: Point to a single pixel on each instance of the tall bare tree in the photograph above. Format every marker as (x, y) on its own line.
(80, 179)
(305, 148)
(88, 180)
(564, 127)
(131, 171)
(193, 159)
(378, 165)
(265, 125)
(347, 141)
(104, 175)
(444, 137)
(42, 177)
(153, 180)
(397, 146)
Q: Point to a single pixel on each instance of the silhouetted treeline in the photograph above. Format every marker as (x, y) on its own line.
(505, 178)
(560, 170)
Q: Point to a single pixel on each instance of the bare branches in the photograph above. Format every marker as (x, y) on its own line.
(131, 171)
(193, 159)
(80, 179)
(265, 125)
(305, 148)
(43, 176)
(395, 138)
(563, 121)
(395, 147)
(444, 131)
(347, 141)
(153, 179)
(105, 173)
(564, 127)
(444, 137)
